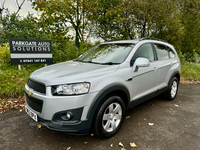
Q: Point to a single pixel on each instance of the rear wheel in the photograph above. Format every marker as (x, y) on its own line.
(172, 89)
(109, 117)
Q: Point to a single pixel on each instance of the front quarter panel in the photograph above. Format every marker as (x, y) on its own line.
(114, 82)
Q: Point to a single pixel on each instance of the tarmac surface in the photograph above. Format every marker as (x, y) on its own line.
(154, 125)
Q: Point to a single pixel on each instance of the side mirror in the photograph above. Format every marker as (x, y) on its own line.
(140, 62)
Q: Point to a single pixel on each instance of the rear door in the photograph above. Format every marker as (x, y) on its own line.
(165, 61)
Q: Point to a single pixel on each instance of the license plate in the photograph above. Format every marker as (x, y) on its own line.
(31, 113)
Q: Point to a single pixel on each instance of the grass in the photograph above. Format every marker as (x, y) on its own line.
(12, 80)
(190, 71)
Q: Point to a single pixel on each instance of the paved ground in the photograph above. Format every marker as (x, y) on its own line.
(176, 127)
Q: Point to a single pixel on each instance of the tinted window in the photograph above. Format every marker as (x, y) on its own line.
(144, 51)
(161, 51)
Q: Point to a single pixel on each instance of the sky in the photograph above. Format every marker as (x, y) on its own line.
(12, 7)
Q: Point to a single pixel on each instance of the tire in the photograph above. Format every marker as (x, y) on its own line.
(109, 117)
(172, 89)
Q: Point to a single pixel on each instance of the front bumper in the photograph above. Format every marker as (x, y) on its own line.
(49, 110)
(82, 127)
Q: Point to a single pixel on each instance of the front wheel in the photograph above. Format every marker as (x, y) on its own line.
(109, 117)
(172, 89)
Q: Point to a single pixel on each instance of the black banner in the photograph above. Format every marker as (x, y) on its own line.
(26, 51)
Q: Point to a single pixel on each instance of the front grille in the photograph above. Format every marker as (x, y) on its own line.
(34, 103)
(36, 86)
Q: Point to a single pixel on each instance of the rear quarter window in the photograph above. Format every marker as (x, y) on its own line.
(162, 51)
(171, 53)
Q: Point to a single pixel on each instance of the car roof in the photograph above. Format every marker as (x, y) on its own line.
(136, 41)
(122, 41)
(145, 40)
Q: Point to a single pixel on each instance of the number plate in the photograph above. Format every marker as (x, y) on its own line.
(31, 113)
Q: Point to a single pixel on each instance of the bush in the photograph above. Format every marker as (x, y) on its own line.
(64, 54)
(190, 71)
(12, 80)
(182, 56)
(189, 65)
(67, 52)
(189, 57)
(5, 54)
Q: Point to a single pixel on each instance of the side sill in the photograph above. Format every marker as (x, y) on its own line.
(148, 97)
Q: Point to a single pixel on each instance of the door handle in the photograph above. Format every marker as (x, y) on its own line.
(154, 69)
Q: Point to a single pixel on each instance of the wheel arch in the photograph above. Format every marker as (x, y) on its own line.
(175, 74)
(119, 90)
(167, 94)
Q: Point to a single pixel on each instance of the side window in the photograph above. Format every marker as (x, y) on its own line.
(171, 53)
(161, 51)
(144, 51)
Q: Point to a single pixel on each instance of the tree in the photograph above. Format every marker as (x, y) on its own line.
(176, 21)
(101, 17)
(191, 22)
(63, 15)
(2, 7)
(111, 19)
(7, 22)
(14, 26)
(151, 17)
(124, 21)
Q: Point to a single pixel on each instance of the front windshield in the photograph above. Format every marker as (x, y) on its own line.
(107, 53)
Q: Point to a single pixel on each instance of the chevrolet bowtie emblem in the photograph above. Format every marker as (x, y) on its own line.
(30, 93)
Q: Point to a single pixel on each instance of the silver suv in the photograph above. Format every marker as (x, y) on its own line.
(95, 90)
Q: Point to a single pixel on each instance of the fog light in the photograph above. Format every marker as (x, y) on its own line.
(66, 116)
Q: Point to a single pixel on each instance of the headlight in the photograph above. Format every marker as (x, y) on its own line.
(71, 89)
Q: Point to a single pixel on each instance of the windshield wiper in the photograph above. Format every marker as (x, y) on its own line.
(88, 61)
(83, 61)
(110, 63)
(107, 63)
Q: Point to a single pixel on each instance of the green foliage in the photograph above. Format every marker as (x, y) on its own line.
(5, 54)
(68, 53)
(111, 19)
(176, 21)
(19, 28)
(182, 56)
(58, 16)
(193, 57)
(189, 65)
(190, 71)
(191, 23)
(12, 80)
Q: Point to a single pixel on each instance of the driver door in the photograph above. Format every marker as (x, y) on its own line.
(144, 80)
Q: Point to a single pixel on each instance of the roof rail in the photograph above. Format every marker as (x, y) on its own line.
(152, 38)
(113, 40)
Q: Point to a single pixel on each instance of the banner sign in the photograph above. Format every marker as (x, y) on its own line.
(25, 51)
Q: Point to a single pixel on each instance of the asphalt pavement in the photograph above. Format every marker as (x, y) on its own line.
(154, 125)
